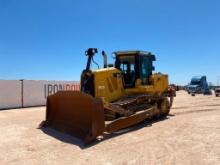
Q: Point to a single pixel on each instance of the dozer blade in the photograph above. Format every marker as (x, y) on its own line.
(76, 113)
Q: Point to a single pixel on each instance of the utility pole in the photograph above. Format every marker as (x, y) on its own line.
(217, 80)
(22, 93)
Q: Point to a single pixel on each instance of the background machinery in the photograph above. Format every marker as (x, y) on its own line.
(111, 98)
(217, 92)
(199, 85)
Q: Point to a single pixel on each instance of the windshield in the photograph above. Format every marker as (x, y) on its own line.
(195, 82)
(126, 64)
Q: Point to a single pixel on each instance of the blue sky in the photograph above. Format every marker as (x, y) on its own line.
(46, 39)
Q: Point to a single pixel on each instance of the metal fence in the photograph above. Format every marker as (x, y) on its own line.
(27, 93)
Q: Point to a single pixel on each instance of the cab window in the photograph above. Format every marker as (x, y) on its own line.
(127, 65)
(145, 70)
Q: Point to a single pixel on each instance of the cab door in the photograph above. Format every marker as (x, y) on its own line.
(145, 69)
(128, 68)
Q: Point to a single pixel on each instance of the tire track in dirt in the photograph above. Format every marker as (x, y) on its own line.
(185, 107)
(194, 111)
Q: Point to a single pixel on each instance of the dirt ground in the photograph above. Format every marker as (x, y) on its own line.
(190, 135)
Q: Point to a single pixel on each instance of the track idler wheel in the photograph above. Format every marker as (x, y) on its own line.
(164, 106)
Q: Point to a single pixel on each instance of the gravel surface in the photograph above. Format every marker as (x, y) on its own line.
(189, 135)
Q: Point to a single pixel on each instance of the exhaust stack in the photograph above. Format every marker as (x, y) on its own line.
(104, 59)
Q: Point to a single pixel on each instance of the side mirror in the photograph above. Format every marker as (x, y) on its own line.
(153, 58)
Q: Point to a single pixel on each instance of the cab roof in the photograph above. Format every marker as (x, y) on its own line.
(135, 52)
(132, 52)
(197, 77)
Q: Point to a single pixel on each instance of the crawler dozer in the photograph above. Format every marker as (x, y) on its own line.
(111, 98)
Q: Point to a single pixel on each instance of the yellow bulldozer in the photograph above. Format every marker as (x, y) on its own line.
(111, 98)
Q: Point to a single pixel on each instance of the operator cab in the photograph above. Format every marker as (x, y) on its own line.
(135, 65)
